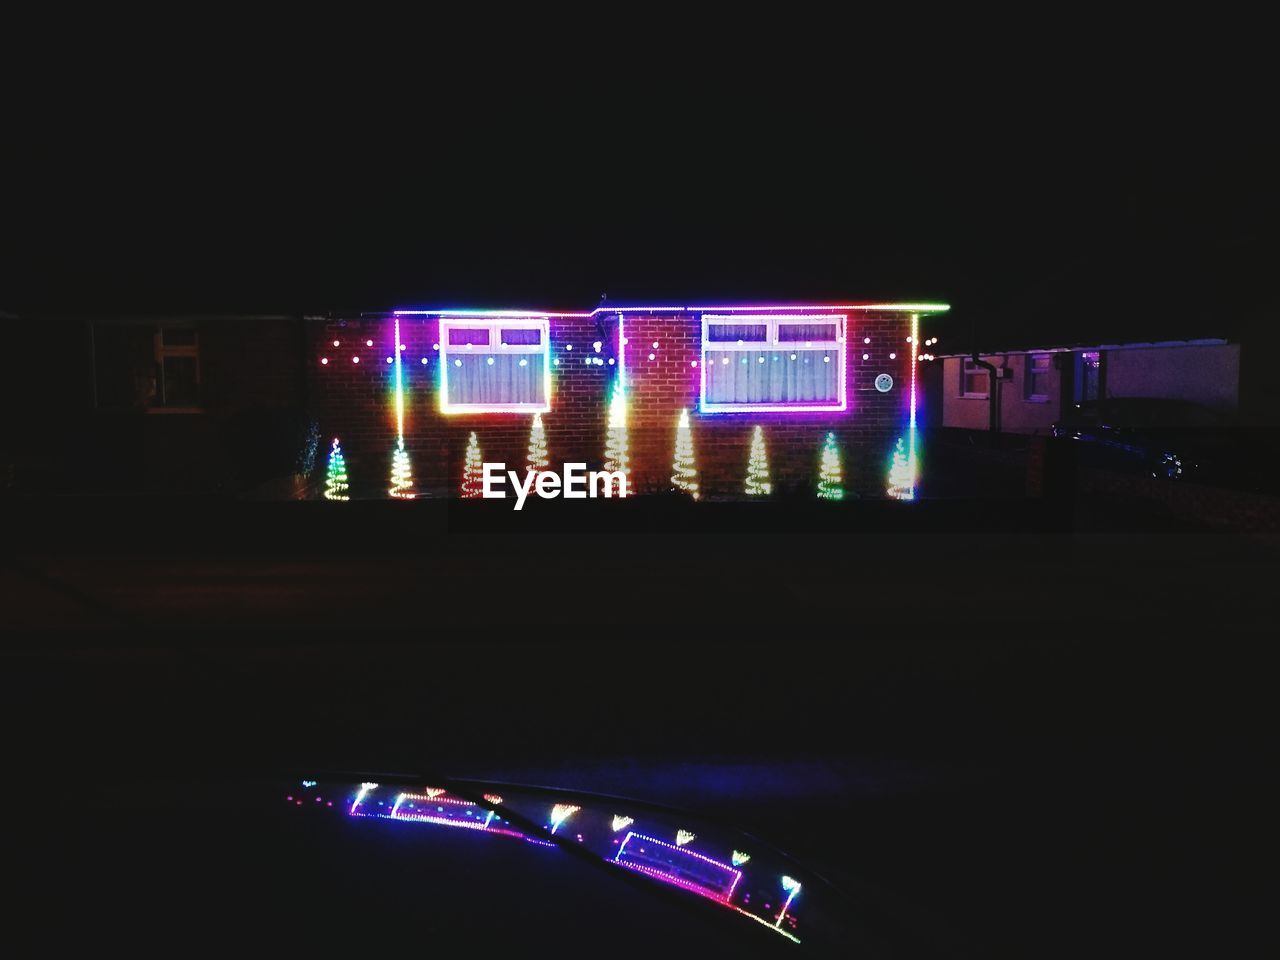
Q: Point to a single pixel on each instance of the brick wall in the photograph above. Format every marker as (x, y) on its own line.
(354, 401)
(661, 387)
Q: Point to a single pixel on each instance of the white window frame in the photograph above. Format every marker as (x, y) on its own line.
(494, 325)
(966, 367)
(1029, 376)
(772, 324)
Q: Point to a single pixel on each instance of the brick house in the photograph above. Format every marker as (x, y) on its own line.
(799, 371)
(223, 405)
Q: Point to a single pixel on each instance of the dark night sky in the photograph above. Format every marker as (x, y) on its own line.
(1038, 215)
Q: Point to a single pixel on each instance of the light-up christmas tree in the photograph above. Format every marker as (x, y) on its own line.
(335, 484)
(401, 473)
(472, 476)
(615, 450)
(758, 484)
(684, 475)
(831, 473)
(901, 483)
(537, 446)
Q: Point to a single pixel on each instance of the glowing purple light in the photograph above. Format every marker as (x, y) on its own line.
(723, 893)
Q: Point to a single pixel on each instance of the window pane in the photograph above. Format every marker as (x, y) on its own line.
(733, 332)
(460, 336)
(793, 332)
(771, 376)
(1040, 363)
(974, 380)
(497, 378)
(520, 336)
(180, 386)
(179, 336)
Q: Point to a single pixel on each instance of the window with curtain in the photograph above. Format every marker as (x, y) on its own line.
(773, 363)
(495, 366)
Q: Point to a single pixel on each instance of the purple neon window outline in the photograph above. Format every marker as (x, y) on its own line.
(454, 354)
(840, 404)
(703, 890)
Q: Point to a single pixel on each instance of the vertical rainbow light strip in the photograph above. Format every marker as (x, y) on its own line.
(399, 385)
(911, 425)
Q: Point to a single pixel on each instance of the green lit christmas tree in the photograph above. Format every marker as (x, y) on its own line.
(401, 473)
(684, 475)
(537, 446)
(335, 484)
(472, 470)
(901, 483)
(616, 457)
(831, 473)
(758, 484)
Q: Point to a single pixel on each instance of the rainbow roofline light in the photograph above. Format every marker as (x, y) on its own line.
(813, 316)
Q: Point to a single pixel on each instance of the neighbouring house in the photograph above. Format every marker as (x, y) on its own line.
(159, 405)
(1027, 390)
(231, 404)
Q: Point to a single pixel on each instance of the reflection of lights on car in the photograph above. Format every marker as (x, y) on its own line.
(1170, 467)
(792, 887)
(716, 873)
(560, 813)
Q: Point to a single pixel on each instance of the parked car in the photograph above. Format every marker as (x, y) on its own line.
(1169, 439)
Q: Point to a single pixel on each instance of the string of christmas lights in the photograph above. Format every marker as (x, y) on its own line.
(538, 460)
(401, 473)
(901, 483)
(831, 473)
(684, 474)
(758, 467)
(472, 470)
(616, 458)
(335, 484)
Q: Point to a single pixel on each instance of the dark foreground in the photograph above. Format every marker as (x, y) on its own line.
(1003, 730)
